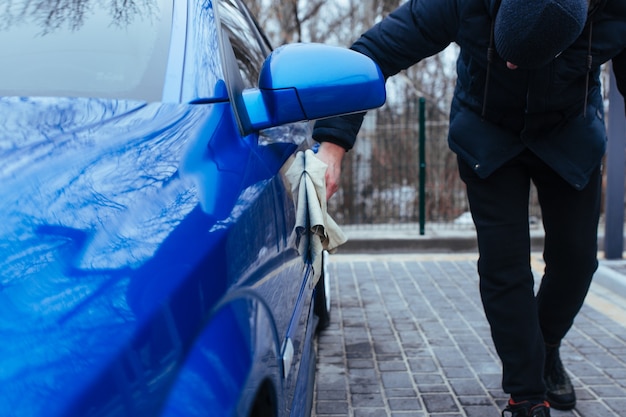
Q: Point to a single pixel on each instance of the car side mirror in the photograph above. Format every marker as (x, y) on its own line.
(308, 81)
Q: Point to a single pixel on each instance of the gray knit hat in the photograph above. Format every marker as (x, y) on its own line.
(530, 33)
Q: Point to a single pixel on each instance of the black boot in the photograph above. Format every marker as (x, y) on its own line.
(560, 391)
(526, 409)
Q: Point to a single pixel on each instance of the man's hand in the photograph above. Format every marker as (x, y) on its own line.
(331, 155)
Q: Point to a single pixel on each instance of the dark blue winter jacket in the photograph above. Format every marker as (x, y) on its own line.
(556, 111)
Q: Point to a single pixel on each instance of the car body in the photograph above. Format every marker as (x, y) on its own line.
(148, 258)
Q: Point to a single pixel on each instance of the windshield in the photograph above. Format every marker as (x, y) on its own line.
(87, 48)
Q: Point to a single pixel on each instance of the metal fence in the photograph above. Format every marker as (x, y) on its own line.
(381, 179)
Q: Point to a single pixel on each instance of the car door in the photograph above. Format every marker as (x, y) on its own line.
(263, 264)
(291, 287)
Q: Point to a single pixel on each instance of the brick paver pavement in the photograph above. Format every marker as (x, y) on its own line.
(409, 338)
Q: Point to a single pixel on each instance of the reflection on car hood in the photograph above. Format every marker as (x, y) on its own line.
(91, 190)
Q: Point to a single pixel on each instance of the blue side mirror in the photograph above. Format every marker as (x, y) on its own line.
(311, 81)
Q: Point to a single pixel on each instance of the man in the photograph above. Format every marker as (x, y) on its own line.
(527, 107)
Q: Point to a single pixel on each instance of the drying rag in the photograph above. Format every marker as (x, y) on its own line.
(315, 229)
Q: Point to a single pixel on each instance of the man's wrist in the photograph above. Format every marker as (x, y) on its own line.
(332, 148)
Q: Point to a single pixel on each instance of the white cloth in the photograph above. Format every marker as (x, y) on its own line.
(315, 228)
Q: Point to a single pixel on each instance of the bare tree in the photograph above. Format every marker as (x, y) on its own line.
(53, 15)
(303, 20)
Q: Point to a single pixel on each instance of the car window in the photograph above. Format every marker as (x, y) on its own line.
(103, 50)
(248, 44)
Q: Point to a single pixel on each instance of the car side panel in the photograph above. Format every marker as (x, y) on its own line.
(237, 348)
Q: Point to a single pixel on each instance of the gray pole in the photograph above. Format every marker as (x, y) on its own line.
(614, 203)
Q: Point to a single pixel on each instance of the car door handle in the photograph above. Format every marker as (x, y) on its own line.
(287, 356)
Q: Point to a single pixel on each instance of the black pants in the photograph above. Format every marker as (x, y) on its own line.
(522, 322)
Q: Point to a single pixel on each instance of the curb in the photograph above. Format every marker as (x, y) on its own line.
(608, 277)
(430, 244)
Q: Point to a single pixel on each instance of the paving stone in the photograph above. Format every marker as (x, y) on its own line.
(367, 400)
(332, 395)
(409, 338)
(331, 407)
(400, 393)
(467, 386)
(395, 379)
(370, 412)
(361, 363)
(366, 388)
(438, 403)
(425, 388)
(404, 404)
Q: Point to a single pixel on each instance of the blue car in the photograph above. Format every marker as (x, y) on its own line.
(149, 259)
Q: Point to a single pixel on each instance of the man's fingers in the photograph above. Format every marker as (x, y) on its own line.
(331, 155)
